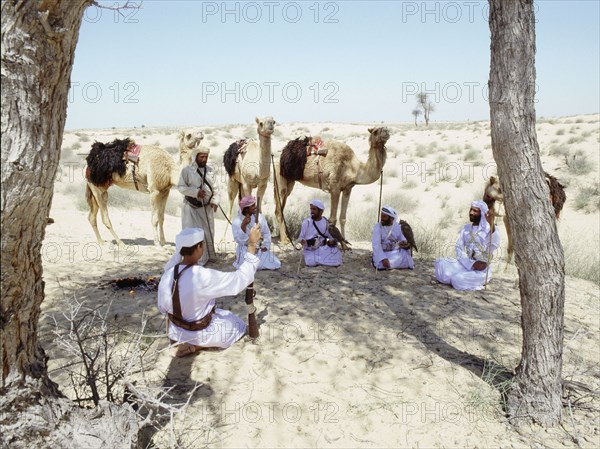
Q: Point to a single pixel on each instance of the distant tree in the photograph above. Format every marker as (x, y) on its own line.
(425, 106)
(537, 390)
(416, 113)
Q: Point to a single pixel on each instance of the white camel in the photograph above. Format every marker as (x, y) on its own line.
(248, 163)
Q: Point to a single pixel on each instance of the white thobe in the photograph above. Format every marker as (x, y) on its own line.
(198, 288)
(268, 260)
(319, 253)
(472, 245)
(385, 241)
(202, 217)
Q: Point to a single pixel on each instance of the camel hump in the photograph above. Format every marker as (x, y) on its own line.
(293, 159)
(231, 155)
(106, 159)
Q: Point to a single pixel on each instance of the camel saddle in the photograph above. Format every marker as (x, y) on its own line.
(106, 185)
(315, 148)
(133, 153)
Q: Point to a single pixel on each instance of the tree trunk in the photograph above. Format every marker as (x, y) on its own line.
(38, 44)
(539, 256)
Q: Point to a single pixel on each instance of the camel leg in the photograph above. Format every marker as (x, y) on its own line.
(233, 188)
(509, 248)
(93, 214)
(101, 197)
(158, 200)
(260, 191)
(335, 199)
(285, 187)
(345, 200)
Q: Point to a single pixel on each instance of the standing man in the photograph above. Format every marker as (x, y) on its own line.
(390, 247)
(241, 226)
(320, 248)
(197, 183)
(474, 248)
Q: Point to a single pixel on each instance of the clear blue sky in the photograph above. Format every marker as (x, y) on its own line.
(181, 63)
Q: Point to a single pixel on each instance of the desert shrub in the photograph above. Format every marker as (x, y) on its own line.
(76, 146)
(294, 216)
(421, 151)
(429, 239)
(359, 225)
(402, 202)
(76, 191)
(454, 149)
(410, 184)
(588, 199)
(559, 150)
(582, 259)
(391, 173)
(573, 140)
(560, 132)
(172, 150)
(578, 163)
(472, 155)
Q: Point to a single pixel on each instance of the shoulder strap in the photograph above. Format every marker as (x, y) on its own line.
(175, 296)
(318, 230)
(205, 181)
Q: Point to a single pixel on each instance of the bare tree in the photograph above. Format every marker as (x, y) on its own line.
(536, 394)
(425, 105)
(416, 113)
(38, 44)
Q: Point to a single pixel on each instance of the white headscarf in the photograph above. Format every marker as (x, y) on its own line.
(484, 226)
(196, 151)
(317, 203)
(389, 211)
(185, 239)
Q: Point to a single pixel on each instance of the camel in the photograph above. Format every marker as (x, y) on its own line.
(330, 166)
(492, 193)
(148, 169)
(248, 163)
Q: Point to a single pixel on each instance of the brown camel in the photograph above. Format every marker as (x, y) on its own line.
(147, 169)
(492, 193)
(248, 163)
(330, 166)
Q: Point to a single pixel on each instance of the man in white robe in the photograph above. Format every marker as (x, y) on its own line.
(241, 226)
(194, 320)
(320, 248)
(390, 247)
(198, 185)
(474, 249)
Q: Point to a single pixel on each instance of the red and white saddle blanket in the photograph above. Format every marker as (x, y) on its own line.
(316, 148)
(133, 153)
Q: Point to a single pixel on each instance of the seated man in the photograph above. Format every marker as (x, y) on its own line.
(474, 248)
(390, 247)
(320, 248)
(187, 293)
(241, 226)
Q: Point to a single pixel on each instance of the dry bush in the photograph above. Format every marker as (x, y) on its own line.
(588, 199)
(578, 163)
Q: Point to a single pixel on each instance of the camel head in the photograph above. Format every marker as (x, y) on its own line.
(188, 141)
(266, 126)
(492, 192)
(379, 136)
